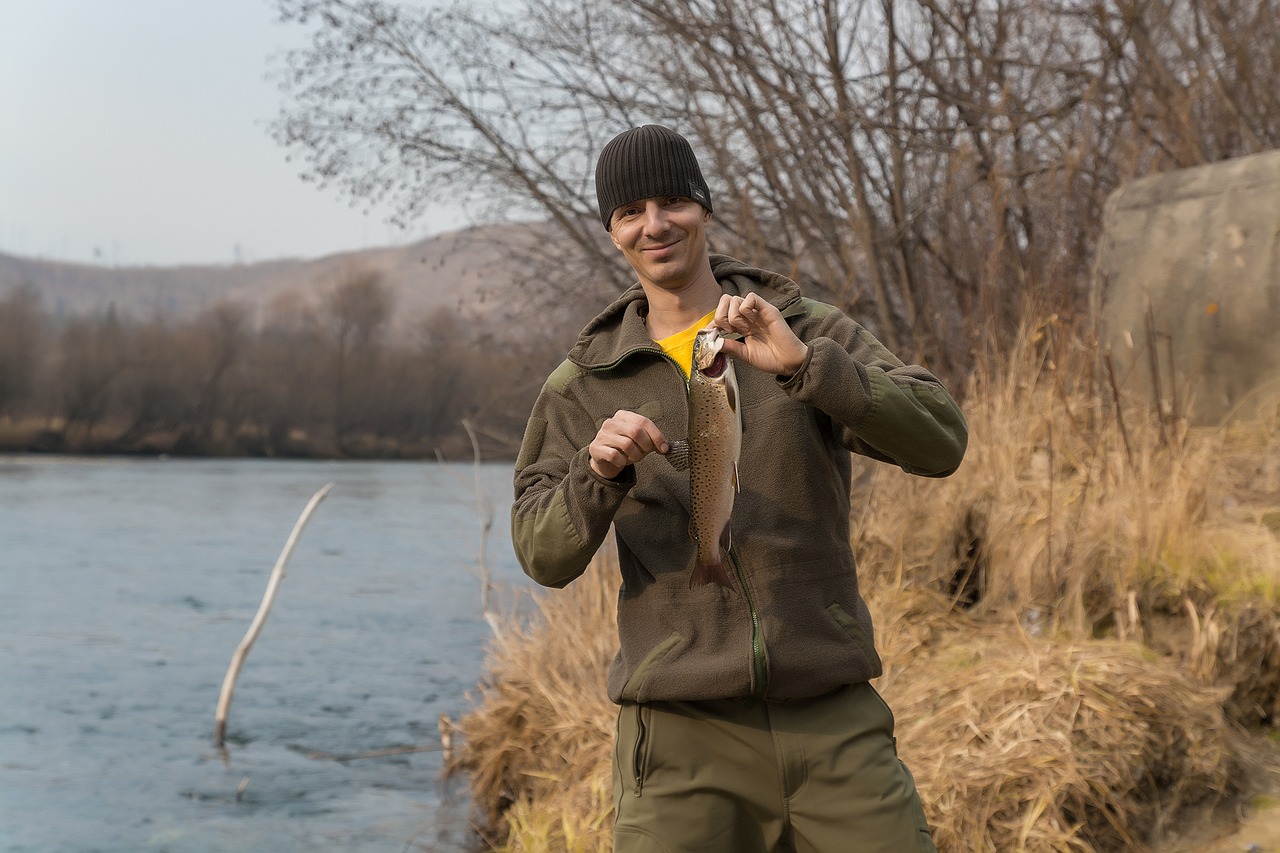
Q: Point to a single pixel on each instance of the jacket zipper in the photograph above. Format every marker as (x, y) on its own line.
(759, 664)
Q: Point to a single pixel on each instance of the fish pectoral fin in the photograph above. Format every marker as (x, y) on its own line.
(736, 487)
(678, 454)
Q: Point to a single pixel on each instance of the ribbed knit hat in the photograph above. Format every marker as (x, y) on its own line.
(644, 162)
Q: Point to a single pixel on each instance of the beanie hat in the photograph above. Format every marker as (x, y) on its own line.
(644, 162)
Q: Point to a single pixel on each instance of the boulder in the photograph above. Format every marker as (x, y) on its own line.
(1187, 289)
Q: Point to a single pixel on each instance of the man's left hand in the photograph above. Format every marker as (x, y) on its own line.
(767, 343)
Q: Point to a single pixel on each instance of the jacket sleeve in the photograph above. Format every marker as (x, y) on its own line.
(562, 508)
(882, 408)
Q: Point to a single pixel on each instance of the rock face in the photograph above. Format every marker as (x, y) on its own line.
(1187, 288)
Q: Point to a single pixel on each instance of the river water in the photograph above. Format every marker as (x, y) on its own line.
(127, 585)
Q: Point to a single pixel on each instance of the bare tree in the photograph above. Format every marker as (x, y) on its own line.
(358, 311)
(937, 168)
(22, 339)
(220, 340)
(90, 358)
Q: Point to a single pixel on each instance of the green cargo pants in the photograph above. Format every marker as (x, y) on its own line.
(752, 776)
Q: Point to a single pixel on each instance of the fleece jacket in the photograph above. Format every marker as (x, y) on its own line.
(795, 625)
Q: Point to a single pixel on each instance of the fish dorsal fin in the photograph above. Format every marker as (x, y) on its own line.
(678, 454)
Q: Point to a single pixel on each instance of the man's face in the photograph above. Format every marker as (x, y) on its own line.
(663, 238)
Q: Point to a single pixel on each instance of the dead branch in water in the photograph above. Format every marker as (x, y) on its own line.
(260, 618)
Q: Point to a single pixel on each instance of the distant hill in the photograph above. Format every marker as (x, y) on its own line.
(459, 271)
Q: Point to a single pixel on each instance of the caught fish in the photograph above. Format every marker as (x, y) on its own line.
(715, 440)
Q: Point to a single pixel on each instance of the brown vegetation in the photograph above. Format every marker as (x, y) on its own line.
(320, 377)
(1080, 627)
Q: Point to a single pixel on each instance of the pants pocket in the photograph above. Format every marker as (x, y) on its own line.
(642, 747)
(633, 747)
(859, 637)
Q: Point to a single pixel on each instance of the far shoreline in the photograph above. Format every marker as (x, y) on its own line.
(40, 440)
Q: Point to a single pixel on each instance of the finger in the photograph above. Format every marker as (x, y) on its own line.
(645, 434)
(733, 349)
(738, 322)
(655, 436)
(607, 461)
(611, 454)
(723, 309)
(634, 434)
(755, 310)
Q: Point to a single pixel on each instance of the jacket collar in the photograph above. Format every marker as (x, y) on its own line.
(619, 330)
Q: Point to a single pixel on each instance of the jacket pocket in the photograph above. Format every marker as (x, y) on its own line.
(632, 690)
(858, 635)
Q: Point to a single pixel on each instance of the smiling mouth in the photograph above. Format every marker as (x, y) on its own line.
(658, 250)
(661, 247)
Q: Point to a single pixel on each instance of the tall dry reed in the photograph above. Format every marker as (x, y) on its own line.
(1073, 625)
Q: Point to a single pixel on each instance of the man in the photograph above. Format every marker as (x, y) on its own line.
(747, 722)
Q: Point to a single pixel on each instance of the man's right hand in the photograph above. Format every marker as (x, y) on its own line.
(623, 440)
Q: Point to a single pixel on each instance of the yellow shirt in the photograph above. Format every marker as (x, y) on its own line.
(680, 345)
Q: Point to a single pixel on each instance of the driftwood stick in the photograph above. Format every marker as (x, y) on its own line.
(255, 628)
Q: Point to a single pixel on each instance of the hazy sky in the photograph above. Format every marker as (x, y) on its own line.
(134, 132)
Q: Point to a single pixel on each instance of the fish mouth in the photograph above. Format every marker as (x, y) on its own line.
(715, 369)
(707, 355)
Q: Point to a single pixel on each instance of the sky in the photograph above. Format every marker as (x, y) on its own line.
(134, 132)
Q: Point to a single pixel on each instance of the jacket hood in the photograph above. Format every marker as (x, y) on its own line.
(620, 328)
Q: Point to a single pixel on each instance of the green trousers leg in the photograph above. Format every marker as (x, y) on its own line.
(749, 776)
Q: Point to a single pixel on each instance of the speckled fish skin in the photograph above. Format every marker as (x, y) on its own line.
(715, 440)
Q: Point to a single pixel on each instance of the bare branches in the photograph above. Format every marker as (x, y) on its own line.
(935, 168)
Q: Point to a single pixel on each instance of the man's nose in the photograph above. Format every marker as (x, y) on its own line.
(655, 218)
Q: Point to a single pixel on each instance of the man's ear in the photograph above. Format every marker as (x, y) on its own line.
(616, 244)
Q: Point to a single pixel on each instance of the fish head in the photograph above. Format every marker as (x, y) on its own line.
(708, 357)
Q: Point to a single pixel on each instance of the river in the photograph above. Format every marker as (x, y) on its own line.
(129, 583)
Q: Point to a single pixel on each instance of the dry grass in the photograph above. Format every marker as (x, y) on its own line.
(1033, 744)
(537, 749)
(1075, 627)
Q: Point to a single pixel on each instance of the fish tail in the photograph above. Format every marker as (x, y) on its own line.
(705, 573)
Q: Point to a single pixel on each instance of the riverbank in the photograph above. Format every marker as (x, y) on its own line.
(41, 436)
(1080, 628)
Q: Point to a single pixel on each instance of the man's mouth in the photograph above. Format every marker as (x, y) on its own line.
(659, 248)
